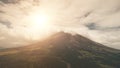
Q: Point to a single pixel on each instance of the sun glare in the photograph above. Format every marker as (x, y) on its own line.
(37, 23)
(39, 20)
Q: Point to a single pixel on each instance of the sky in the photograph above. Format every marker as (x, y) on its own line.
(95, 19)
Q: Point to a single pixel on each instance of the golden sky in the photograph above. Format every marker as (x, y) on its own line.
(29, 20)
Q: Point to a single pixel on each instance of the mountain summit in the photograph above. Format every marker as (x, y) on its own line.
(61, 50)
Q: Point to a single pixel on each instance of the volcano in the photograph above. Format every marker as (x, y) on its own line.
(61, 50)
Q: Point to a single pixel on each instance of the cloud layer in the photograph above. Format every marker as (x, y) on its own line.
(95, 19)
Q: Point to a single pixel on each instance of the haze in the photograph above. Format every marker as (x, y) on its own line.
(25, 21)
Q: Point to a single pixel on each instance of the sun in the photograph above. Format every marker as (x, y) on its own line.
(39, 20)
(37, 23)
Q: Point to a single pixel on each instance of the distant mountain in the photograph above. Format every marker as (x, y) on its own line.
(61, 50)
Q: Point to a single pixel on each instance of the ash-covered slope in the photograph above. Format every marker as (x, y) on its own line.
(61, 50)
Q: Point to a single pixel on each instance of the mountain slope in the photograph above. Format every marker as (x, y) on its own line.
(61, 50)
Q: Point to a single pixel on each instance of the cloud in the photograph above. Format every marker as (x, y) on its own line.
(1, 38)
(95, 19)
(94, 26)
(9, 1)
(6, 23)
